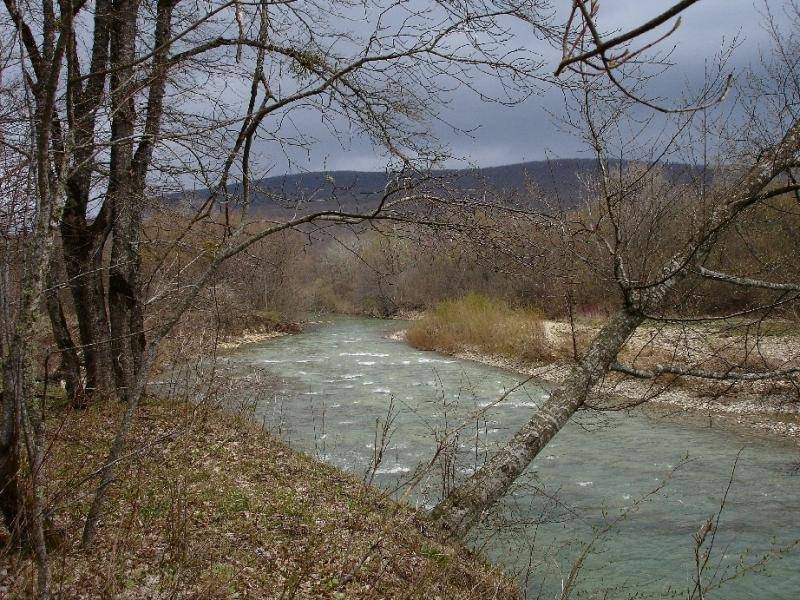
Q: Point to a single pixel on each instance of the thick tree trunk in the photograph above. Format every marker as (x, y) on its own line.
(83, 240)
(459, 511)
(125, 314)
(70, 367)
(11, 499)
(127, 185)
(84, 265)
(127, 317)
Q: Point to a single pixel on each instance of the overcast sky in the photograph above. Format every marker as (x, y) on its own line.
(526, 132)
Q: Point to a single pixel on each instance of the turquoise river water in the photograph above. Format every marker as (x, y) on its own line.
(336, 380)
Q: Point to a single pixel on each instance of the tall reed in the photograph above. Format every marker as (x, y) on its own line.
(481, 323)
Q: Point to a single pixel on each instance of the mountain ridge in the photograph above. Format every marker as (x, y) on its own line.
(558, 180)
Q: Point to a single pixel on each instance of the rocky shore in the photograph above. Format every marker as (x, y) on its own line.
(256, 336)
(250, 337)
(752, 409)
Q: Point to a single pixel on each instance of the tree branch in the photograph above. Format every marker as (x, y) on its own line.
(748, 282)
(789, 373)
(628, 36)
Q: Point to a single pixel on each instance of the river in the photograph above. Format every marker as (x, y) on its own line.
(338, 379)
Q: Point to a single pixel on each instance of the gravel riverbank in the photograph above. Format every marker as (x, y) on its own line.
(753, 409)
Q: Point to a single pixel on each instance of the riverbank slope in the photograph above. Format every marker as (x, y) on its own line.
(208, 505)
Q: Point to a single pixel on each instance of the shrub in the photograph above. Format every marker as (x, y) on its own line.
(478, 322)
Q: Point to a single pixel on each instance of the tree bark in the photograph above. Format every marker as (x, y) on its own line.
(125, 310)
(123, 288)
(82, 240)
(462, 509)
(11, 498)
(84, 266)
(127, 185)
(70, 367)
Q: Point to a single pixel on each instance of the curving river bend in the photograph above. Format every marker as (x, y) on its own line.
(339, 377)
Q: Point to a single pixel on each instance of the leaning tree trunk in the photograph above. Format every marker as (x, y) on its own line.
(460, 510)
(463, 507)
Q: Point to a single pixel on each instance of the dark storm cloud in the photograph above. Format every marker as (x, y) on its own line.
(502, 135)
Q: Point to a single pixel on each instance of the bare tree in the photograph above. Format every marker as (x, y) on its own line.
(31, 226)
(128, 101)
(628, 227)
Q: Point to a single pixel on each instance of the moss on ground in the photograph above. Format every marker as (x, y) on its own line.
(210, 506)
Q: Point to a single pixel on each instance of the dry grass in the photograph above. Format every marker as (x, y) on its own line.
(487, 325)
(213, 507)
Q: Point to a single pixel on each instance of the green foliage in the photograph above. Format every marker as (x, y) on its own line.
(434, 553)
(486, 324)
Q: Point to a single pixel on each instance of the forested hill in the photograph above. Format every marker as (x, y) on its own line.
(558, 177)
(560, 181)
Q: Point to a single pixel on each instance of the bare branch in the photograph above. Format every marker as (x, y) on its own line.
(658, 370)
(748, 281)
(602, 47)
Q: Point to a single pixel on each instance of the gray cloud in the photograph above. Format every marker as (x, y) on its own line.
(501, 135)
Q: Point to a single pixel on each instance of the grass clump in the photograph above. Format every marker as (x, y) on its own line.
(488, 325)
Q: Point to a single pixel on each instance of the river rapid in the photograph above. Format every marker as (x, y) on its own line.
(338, 382)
